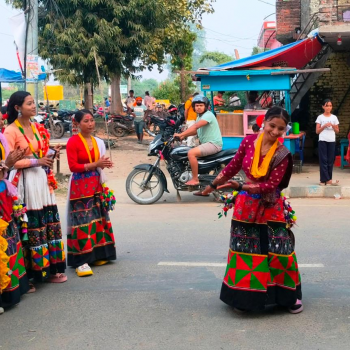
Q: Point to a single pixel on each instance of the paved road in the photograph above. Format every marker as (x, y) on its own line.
(137, 303)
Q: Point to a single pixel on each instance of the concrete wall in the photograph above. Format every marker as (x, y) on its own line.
(308, 8)
(333, 85)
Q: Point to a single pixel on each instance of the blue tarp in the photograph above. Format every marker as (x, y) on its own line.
(10, 76)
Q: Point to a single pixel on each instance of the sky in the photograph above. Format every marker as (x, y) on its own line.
(235, 24)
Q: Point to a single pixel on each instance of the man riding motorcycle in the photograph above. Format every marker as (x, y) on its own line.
(208, 131)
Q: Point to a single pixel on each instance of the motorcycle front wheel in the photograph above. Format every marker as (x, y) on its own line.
(58, 130)
(140, 192)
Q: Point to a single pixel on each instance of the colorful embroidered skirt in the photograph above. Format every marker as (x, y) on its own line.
(18, 283)
(90, 234)
(43, 246)
(262, 267)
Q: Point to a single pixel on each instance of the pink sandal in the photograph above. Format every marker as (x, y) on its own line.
(296, 308)
(58, 278)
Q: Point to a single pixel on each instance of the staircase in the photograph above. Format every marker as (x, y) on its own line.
(304, 81)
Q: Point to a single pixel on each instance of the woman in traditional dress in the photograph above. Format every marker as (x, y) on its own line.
(43, 244)
(13, 277)
(262, 268)
(90, 236)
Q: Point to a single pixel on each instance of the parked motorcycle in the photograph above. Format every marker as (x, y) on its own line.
(120, 125)
(65, 118)
(164, 126)
(147, 183)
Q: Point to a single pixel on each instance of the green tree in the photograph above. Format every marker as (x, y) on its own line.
(120, 37)
(216, 56)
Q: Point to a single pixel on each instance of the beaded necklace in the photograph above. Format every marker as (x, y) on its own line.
(94, 143)
(20, 127)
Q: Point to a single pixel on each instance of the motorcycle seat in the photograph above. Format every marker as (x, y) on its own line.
(224, 153)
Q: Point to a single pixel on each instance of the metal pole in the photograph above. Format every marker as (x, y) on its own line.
(32, 41)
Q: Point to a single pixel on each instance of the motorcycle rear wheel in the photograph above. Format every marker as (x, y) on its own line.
(118, 132)
(138, 192)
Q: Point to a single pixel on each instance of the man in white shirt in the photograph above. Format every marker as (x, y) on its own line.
(130, 99)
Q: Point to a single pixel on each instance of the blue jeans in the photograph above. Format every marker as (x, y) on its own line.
(139, 126)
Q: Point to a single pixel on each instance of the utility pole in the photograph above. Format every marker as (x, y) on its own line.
(32, 42)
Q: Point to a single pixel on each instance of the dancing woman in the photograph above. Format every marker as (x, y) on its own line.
(90, 236)
(262, 268)
(43, 245)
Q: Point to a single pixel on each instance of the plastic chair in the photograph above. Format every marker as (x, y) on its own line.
(299, 148)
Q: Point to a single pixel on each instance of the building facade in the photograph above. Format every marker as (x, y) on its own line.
(295, 20)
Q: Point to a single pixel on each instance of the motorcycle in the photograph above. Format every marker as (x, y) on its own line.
(43, 118)
(147, 183)
(120, 125)
(65, 119)
(164, 126)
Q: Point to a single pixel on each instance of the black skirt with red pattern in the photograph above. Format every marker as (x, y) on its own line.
(262, 267)
(90, 235)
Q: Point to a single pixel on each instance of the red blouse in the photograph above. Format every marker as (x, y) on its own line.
(77, 156)
(243, 160)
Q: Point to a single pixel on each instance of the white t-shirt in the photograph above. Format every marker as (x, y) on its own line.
(328, 134)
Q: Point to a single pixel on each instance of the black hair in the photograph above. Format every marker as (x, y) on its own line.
(252, 96)
(3, 109)
(221, 92)
(16, 99)
(277, 112)
(255, 128)
(131, 91)
(147, 93)
(78, 117)
(325, 101)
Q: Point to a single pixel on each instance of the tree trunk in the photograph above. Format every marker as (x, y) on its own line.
(88, 97)
(183, 85)
(116, 105)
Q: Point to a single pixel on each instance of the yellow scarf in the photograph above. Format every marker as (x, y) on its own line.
(94, 143)
(260, 171)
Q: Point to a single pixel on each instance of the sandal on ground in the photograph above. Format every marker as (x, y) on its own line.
(296, 308)
(84, 270)
(322, 184)
(31, 288)
(200, 194)
(332, 183)
(58, 278)
(100, 262)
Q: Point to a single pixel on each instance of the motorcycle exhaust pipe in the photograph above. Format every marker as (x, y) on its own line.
(119, 125)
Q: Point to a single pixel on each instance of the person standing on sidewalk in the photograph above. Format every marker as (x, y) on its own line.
(139, 118)
(90, 237)
(190, 119)
(327, 125)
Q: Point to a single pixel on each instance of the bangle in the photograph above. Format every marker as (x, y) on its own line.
(34, 162)
(213, 186)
